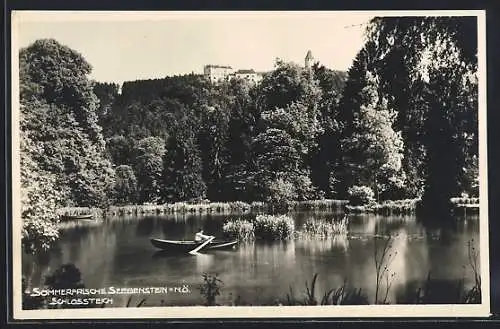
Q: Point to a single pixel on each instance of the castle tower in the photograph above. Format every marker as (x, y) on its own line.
(309, 59)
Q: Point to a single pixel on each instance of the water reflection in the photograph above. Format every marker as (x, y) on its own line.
(397, 263)
(325, 245)
(118, 252)
(204, 262)
(145, 226)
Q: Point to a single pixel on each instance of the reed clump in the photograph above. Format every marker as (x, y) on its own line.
(240, 229)
(388, 207)
(265, 227)
(272, 227)
(324, 229)
(396, 207)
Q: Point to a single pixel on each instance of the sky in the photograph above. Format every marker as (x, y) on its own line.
(129, 46)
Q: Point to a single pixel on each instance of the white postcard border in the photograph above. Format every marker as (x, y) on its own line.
(479, 310)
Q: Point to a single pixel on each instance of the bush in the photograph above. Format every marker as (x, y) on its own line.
(266, 227)
(269, 227)
(360, 195)
(240, 229)
(281, 191)
(210, 288)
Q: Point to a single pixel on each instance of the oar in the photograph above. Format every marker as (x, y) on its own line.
(195, 250)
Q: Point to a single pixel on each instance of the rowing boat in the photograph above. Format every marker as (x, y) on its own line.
(187, 245)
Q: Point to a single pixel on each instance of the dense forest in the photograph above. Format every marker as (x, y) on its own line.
(401, 123)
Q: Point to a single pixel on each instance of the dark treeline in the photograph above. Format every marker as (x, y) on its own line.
(401, 123)
(183, 138)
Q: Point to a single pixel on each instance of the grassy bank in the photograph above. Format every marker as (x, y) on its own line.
(465, 206)
(76, 211)
(181, 207)
(389, 207)
(327, 204)
(235, 207)
(409, 206)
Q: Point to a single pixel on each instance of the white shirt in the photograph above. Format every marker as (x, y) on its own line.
(200, 237)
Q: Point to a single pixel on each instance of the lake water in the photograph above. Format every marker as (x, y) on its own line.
(117, 253)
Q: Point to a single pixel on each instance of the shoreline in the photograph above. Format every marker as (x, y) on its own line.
(387, 208)
(460, 206)
(236, 207)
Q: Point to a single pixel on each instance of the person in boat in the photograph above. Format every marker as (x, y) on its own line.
(199, 236)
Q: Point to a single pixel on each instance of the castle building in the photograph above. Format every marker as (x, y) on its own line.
(249, 75)
(216, 73)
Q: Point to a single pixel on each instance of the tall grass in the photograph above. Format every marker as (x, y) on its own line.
(465, 205)
(325, 204)
(408, 206)
(259, 207)
(203, 207)
(464, 200)
(265, 227)
(343, 295)
(65, 225)
(383, 256)
(389, 207)
(474, 294)
(76, 211)
(397, 207)
(181, 207)
(272, 227)
(324, 229)
(240, 229)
